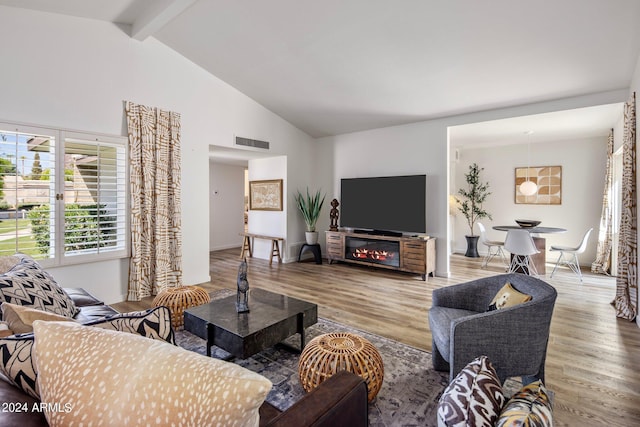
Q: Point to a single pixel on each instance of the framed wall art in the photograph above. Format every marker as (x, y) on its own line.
(265, 195)
(549, 182)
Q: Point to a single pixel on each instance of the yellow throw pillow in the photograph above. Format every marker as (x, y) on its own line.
(98, 376)
(508, 296)
(20, 318)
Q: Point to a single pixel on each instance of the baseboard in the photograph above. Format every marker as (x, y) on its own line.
(229, 246)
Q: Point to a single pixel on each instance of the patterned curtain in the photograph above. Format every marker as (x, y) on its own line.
(626, 299)
(156, 230)
(602, 263)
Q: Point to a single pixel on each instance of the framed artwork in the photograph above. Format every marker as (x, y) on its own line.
(549, 182)
(265, 195)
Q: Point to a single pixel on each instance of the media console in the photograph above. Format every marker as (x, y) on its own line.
(409, 254)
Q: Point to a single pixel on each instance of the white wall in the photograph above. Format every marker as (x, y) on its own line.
(75, 73)
(419, 148)
(423, 148)
(583, 166)
(269, 223)
(226, 206)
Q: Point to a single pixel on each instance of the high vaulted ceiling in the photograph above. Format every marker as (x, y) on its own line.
(337, 66)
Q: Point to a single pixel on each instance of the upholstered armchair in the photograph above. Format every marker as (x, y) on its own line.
(514, 338)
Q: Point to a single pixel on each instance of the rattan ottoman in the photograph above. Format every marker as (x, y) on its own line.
(327, 354)
(180, 298)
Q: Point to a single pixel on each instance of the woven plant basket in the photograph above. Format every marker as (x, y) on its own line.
(327, 354)
(180, 298)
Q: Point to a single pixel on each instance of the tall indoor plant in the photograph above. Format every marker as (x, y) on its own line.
(470, 204)
(310, 206)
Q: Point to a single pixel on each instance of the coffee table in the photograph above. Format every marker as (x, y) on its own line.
(272, 318)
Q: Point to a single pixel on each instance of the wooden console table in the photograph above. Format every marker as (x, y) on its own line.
(247, 244)
(416, 255)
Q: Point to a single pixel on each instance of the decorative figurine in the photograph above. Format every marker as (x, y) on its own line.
(334, 214)
(242, 298)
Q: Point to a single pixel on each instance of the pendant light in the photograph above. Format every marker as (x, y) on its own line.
(528, 188)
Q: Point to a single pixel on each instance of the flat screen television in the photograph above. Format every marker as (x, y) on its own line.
(390, 203)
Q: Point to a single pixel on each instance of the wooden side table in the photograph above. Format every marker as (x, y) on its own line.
(330, 353)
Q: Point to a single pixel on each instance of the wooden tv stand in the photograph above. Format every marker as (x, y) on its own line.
(415, 255)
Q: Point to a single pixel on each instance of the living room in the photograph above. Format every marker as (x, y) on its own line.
(74, 72)
(214, 112)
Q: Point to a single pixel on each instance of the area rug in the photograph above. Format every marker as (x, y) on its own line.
(410, 390)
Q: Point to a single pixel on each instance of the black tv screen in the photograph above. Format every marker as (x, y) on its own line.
(392, 203)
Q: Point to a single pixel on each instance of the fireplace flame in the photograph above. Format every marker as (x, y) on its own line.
(373, 254)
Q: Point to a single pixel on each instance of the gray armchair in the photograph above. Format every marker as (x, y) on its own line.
(514, 338)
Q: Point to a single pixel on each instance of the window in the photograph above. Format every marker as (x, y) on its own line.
(63, 195)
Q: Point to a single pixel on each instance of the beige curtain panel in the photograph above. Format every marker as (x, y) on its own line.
(602, 264)
(156, 230)
(626, 300)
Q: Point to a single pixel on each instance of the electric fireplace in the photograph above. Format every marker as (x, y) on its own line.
(372, 251)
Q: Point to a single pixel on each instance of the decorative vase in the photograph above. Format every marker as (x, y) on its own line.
(312, 237)
(472, 246)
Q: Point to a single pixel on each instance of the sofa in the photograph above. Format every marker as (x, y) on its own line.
(339, 401)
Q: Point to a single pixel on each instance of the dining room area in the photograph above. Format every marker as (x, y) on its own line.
(569, 165)
(568, 161)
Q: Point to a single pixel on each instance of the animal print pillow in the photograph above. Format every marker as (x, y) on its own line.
(139, 381)
(473, 398)
(530, 406)
(17, 365)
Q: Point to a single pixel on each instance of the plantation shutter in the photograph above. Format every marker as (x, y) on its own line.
(94, 197)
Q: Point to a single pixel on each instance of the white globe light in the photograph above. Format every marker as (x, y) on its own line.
(528, 188)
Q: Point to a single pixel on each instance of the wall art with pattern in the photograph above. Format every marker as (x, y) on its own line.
(549, 181)
(265, 195)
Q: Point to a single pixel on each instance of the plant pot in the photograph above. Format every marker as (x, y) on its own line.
(311, 237)
(472, 246)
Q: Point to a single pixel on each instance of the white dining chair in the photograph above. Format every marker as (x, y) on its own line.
(494, 247)
(572, 253)
(522, 247)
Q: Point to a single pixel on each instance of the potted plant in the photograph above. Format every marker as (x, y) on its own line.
(310, 207)
(470, 204)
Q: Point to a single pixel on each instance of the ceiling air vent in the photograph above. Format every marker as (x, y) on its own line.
(252, 143)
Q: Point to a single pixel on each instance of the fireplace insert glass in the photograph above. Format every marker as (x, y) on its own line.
(373, 251)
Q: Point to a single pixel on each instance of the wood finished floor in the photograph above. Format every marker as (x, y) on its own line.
(593, 362)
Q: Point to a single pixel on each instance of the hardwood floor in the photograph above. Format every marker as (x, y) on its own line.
(593, 362)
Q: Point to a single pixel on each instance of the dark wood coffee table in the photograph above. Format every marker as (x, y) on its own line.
(272, 318)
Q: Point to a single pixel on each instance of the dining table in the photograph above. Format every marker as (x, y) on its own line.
(538, 259)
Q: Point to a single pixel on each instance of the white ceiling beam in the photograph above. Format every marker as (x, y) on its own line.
(157, 16)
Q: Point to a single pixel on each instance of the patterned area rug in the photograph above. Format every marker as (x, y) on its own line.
(410, 390)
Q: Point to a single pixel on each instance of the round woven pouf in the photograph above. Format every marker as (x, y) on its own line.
(327, 354)
(180, 298)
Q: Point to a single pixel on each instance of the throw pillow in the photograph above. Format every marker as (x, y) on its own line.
(136, 381)
(20, 318)
(16, 364)
(528, 407)
(7, 263)
(28, 284)
(473, 398)
(153, 323)
(4, 330)
(508, 296)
